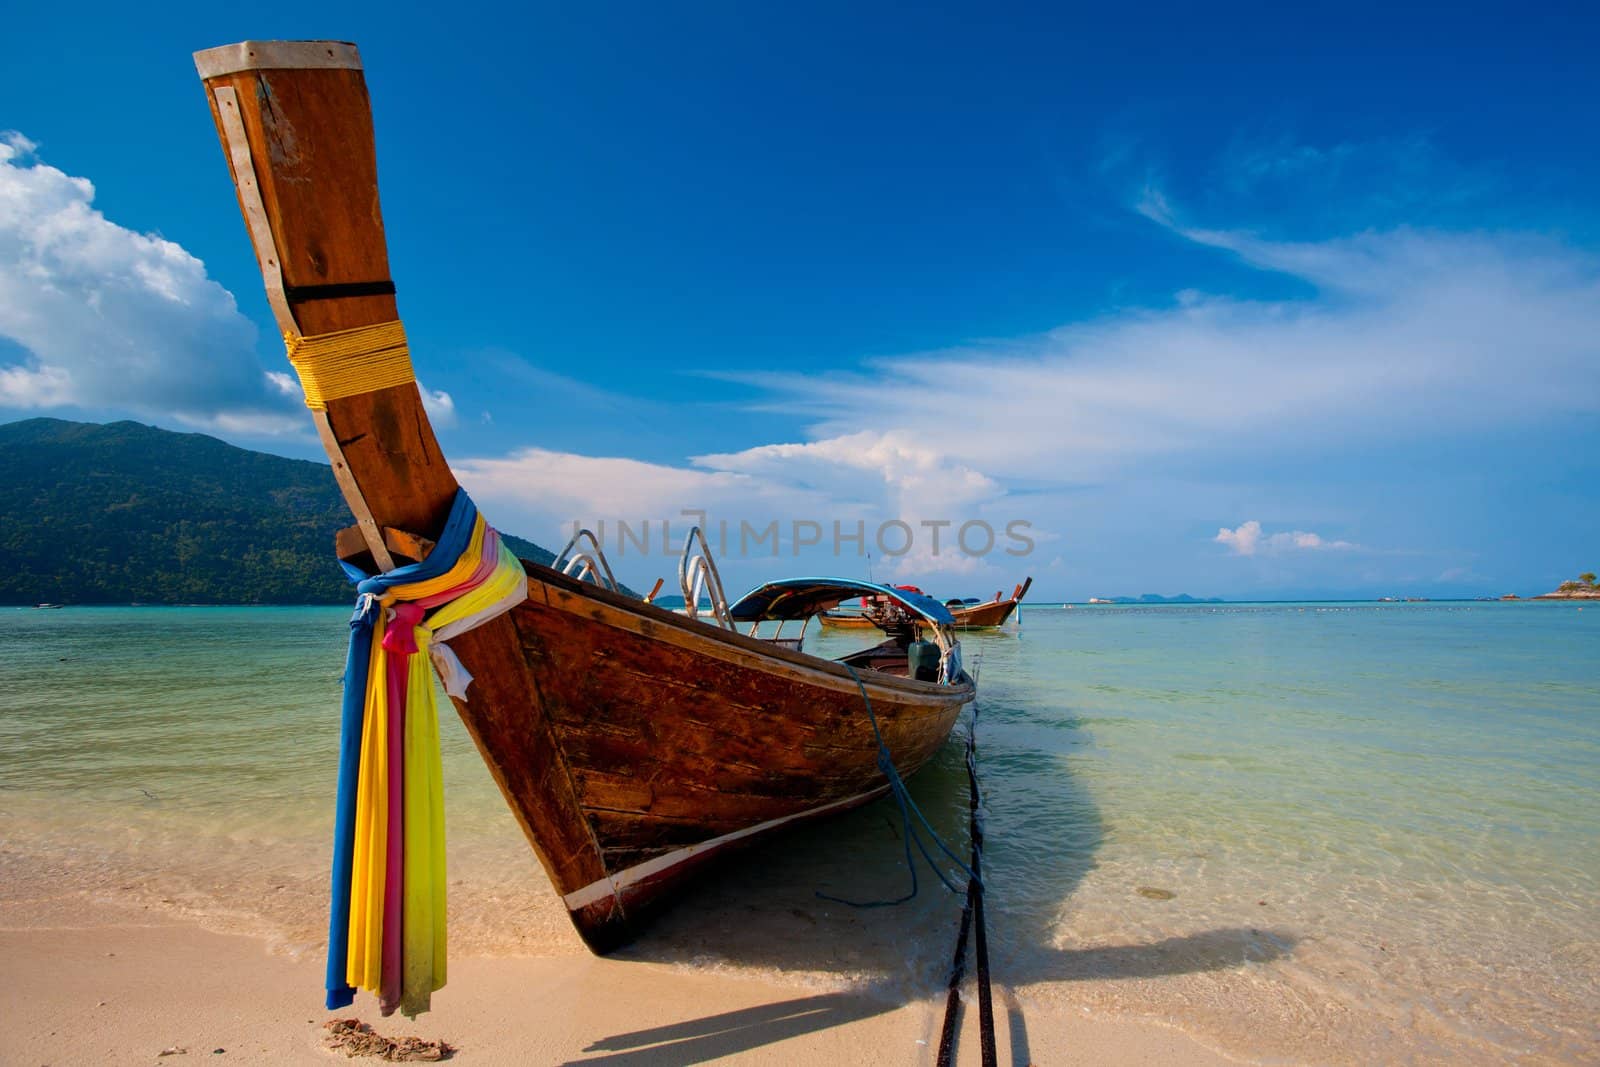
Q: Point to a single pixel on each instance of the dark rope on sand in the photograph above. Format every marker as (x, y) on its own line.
(971, 915)
(908, 807)
(971, 912)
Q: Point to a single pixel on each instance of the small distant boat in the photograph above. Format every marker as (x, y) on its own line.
(970, 614)
(871, 612)
(973, 615)
(859, 619)
(49, 605)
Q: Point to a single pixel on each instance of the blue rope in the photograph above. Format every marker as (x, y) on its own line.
(908, 807)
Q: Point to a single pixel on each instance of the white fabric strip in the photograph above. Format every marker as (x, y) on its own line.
(452, 673)
(498, 608)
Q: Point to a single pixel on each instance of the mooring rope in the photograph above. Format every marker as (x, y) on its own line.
(972, 911)
(908, 807)
(971, 915)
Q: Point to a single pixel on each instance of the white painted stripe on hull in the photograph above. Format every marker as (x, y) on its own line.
(612, 884)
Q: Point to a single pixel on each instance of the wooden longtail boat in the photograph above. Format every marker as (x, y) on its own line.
(633, 744)
(846, 620)
(968, 616)
(875, 613)
(991, 614)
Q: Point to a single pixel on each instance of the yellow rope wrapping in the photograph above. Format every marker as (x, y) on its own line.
(345, 363)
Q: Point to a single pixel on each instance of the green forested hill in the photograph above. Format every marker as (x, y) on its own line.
(123, 513)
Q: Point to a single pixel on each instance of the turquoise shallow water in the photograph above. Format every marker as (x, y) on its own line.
(1379, 825)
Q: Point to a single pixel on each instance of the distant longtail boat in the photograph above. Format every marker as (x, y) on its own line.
(968, 614)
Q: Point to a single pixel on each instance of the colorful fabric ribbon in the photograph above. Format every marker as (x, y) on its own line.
(386, 931)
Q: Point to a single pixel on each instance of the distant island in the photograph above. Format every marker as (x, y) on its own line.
(1582, 587)
(126, 513)
(1153, 598)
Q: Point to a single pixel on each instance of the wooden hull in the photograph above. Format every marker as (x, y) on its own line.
(831, 621)
(984, 616)
(995, 613)
(631, 743)
(974, 617)
(683, 740)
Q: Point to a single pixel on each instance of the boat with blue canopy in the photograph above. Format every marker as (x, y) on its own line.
(905, 614)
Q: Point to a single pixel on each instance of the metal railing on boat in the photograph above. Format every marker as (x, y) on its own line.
(697, 574)
(585, 563)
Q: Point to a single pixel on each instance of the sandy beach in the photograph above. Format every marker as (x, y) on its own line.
(1246, 868)
(99, 983)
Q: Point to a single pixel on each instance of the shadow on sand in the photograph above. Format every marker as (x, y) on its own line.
(730, 1032)
(760, 910)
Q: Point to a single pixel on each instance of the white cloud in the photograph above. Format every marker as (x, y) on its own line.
(43, 387)
(1243, 540)
(1411, 333)
(544, 492)
(864, 478)
(886, 476)
(285, 385)
(565, 486)
(914, 479)
(864, 475)
(439, 406)
(1247, 540)
(109, 317)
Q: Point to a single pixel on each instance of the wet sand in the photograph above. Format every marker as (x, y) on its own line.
(120, 984)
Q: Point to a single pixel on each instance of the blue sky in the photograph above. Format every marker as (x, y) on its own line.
(1257, 303)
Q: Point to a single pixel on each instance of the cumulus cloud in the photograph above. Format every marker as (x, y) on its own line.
(1247, 539)
(864, 474)
(561, 486)
(864, 478)
(910, 477)
(109, 317)
(887, 476)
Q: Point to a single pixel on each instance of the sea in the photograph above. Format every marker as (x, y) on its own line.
(1300, 832)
